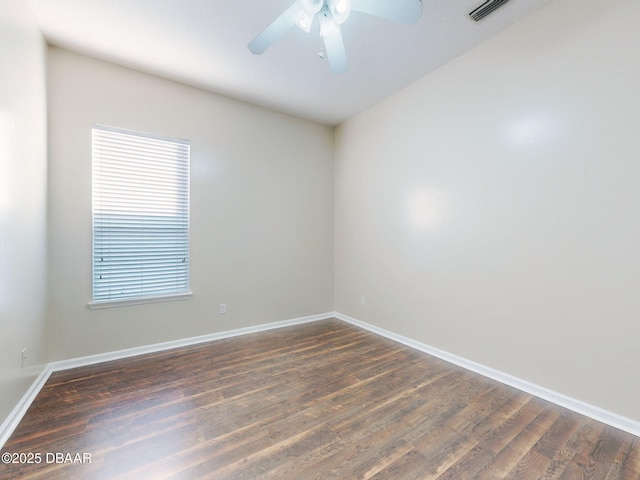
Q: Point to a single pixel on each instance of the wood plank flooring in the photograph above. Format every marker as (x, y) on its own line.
(324, 400)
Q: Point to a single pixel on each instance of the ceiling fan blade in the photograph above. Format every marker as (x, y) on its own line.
(336, 53)
(406, 11)
(273, 32)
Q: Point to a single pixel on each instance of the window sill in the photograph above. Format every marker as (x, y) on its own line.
(139, 301)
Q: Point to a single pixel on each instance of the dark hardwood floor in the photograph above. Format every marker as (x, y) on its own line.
(316, 401)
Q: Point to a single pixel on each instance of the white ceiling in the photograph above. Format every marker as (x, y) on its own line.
(204, 43)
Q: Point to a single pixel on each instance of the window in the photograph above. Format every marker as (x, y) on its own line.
(140, 217)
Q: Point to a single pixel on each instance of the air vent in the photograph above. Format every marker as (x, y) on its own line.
(486, 8)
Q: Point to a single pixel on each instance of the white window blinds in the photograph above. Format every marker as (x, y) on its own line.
(140, 215)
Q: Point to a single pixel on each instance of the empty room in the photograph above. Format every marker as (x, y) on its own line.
(315, 239)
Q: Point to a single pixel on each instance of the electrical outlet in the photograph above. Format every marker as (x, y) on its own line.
(24, 356)
(363, 300)
(223, 308)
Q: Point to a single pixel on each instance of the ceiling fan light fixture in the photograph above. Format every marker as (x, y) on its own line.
(304, 22)
(302, 17)
(340, 10)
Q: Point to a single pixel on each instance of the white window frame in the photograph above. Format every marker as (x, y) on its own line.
(140, 189)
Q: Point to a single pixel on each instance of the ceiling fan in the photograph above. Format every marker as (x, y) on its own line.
(331, 14)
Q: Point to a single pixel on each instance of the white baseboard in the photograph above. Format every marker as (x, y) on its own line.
(12, 421)
(185, 342)
(578, 406)
(14, 418)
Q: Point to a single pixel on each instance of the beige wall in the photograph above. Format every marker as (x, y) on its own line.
(261, 208)
(22, 201)
(492, 209)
